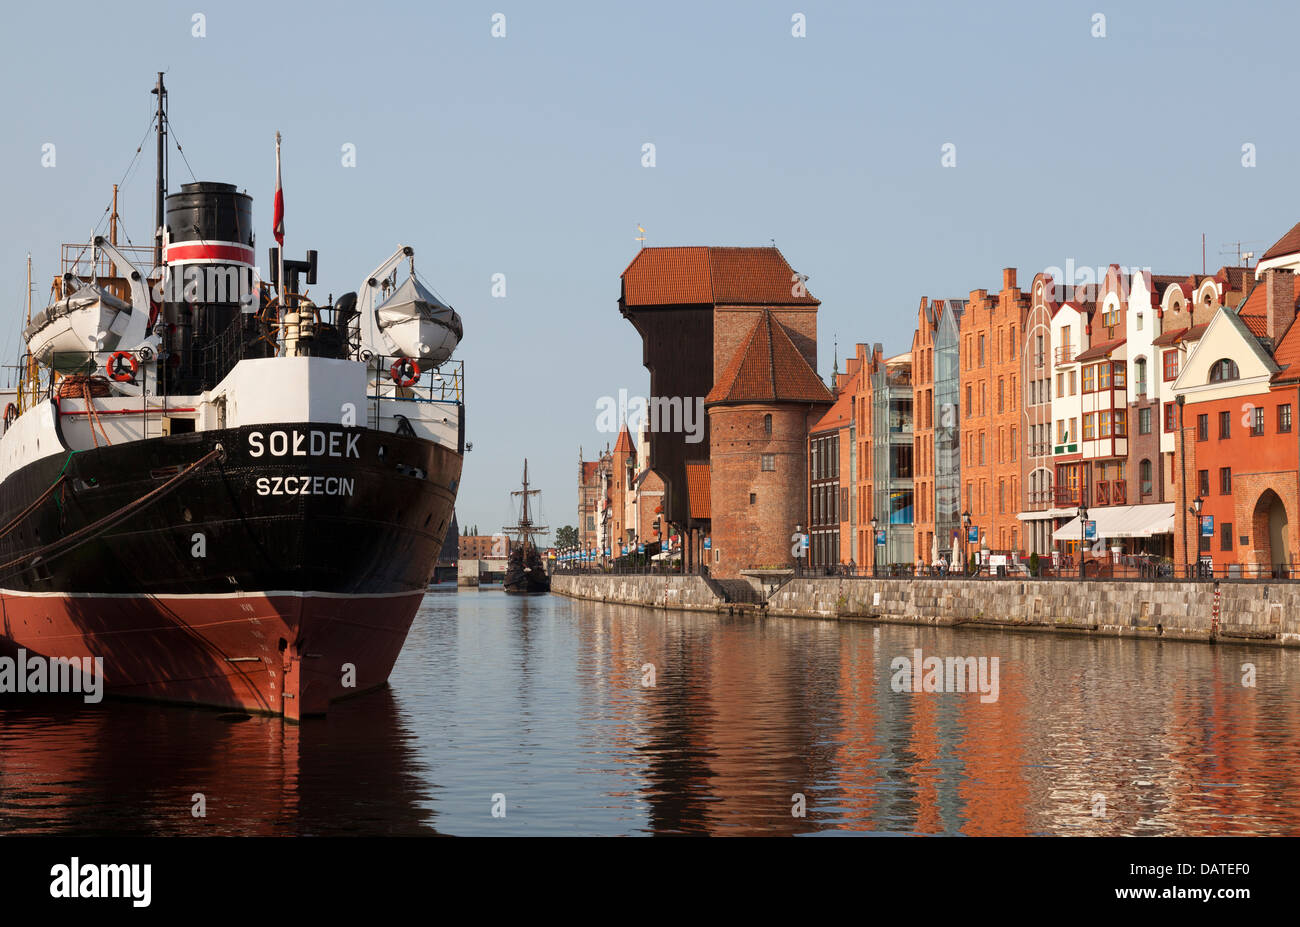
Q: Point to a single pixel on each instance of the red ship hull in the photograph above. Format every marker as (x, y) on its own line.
(282, 653)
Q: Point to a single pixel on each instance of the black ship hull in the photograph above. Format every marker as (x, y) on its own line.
(283, 574)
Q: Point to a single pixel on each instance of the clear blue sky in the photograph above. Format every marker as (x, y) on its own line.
(522, 155)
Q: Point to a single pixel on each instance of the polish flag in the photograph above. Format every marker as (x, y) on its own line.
(278, 230)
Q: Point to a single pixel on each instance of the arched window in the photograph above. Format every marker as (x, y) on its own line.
(1140, 375)
(1144, 474)
(1224, 370)
(767, 424)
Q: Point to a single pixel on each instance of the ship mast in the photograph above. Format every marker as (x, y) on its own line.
(161, 132)
(525, 529)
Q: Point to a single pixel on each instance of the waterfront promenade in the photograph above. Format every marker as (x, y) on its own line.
(1258, 612)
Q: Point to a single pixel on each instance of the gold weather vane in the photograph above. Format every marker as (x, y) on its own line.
(641, 237)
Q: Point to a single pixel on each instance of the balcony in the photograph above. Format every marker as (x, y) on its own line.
(1067, 495)
(1064, 354)
(1040, 499)
(1110, 492)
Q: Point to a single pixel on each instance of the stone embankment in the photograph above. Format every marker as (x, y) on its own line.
(1256, 612)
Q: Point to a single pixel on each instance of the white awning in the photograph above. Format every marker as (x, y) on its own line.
(1048, 514)
(1123, 521)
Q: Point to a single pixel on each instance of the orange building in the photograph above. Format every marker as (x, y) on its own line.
(1236, 454)
(991, 331)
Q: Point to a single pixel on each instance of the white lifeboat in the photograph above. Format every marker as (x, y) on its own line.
(420, 325)
(67, 334)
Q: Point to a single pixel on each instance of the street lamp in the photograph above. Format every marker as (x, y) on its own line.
(875, 545)
(1195, 510)
(965, 541)
(1083, 528)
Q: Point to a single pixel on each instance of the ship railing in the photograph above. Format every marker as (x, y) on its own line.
(35, 383)
(79, 258)
(443, 382)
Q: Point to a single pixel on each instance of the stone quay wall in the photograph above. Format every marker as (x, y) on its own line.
(1254, 612)
(689, 593)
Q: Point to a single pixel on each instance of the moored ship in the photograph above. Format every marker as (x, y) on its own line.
(525, 571)
(233, 495)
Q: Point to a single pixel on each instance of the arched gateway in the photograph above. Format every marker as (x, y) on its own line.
(1269, 532)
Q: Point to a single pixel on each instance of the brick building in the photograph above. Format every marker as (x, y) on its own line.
(482, 546)
(699, 311)
(830, 476)
(991, 329)
(593, 478)
(760, 410)
(1236, 450)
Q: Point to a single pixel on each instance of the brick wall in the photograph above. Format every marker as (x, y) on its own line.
(757, 530)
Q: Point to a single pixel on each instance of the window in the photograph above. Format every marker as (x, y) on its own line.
(1171, 416)
(1223, 370)
(1002, 390)
(1119, 375)
(1103, 375)
(1011, 342)
(1088, 427)
(753, 497)
(1089, 378)
(1203, 427)
(1202, 483)
(1170, 359)
(1013, 444)
(1144, 421)
(1144, 475)
(982, 458)
(767, 424)
(1074, 382)
(968, 402)
(1225, 424)
(1284, 418)
(1225, 481)
(981, 349)
(1140, 375)
(1038, 351)
(1120, 417)
(1257, 422)
(769, 462)
(1225, 535)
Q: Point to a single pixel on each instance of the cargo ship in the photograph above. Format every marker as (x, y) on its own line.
(233, 494)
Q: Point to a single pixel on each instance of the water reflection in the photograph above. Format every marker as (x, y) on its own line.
(541, 705)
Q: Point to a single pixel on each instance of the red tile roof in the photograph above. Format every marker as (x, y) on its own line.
(1287, 244)
(589, 471)
(624, 443)
(768, 368)
(1192, 333)
(709, 275)
(1257, 324)
(1099, 350)
(697, 490)
(838, 416)
(1287, 355)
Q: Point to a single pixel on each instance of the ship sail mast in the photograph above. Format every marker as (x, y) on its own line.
(525, 529)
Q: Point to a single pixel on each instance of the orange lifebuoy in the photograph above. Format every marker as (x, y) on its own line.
(404, 371)
(119, 373)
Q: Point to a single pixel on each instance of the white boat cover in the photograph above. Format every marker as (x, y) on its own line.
(413, 301)
(85, 297)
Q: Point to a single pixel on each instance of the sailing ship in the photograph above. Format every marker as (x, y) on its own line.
(232, 494)
(525, 570)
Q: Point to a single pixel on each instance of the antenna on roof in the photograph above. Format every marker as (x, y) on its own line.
(1235, 247)
(641, 237)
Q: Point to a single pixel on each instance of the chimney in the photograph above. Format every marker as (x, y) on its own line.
(1008, 278)
(1279, 301)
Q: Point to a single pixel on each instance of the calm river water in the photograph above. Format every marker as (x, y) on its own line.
(539, 707)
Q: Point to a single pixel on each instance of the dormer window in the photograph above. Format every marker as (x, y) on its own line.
(1224, 370)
